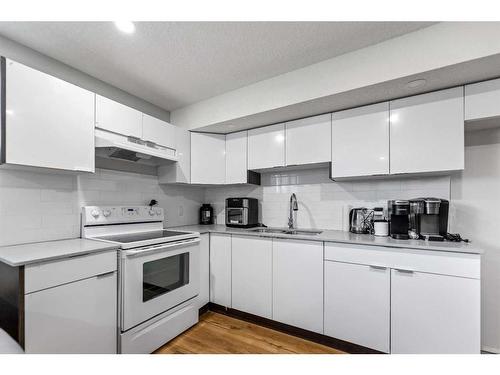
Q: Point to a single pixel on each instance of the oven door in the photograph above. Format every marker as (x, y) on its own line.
(236, 216)
(157, 278)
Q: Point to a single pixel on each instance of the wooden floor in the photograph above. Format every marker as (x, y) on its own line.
(220, 334)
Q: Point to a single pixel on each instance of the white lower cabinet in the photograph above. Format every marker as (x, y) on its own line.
(220, 269)
(357, 304)
(434, 313)
(79, 317)
(298, 283)
(434, 299)
(204, 294)
(252, 259)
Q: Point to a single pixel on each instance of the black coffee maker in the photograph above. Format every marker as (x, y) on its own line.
(429, 218)
(399, 211)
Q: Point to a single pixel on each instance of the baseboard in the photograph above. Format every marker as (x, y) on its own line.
(490, 350)
(203, 309)
(331, 342)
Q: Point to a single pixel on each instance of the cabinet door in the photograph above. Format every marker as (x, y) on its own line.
(236, 158)
(434, 313)
(298, 283)
(360, 141)
(220, 269)
(309, 140)
(208, 158)
(427, 132)
(179, 172)
(49, 122)
(117, 118)
(204, 294)
(482, 100)
(78, 317)
(252, 259)
(158, 131)
(357, 304)
(266, 147)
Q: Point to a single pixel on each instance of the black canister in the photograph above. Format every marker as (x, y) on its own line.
(206, 214)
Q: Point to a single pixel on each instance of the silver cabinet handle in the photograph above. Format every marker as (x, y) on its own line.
(106, 274)
(401, 270)
(377, 267)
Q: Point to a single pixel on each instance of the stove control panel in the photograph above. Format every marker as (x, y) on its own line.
(101, 215)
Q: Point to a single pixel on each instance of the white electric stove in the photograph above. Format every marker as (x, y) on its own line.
(158, 273)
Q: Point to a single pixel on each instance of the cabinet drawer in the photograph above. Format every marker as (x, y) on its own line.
(50, 274)
(439, 262)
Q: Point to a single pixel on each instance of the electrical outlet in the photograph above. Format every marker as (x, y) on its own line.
(181, 210)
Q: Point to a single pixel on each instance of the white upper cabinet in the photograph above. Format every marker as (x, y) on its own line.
(236, 158)
(252, 280)
(308, 140)
(298, 283)
(266, 147)
(360, 141)
(427, 132)
(158, 131)
(179, 172)
(357, 303)
(49, 122)
(208, 158)
(482, 100)
(117, 118)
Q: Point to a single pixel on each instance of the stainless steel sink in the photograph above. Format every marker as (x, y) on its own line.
(300, 232)
(307, 232)
(268, 230)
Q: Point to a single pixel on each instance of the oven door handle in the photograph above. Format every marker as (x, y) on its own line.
(163, 247)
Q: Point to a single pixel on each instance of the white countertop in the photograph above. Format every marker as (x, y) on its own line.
(20, 255)
(345, 237)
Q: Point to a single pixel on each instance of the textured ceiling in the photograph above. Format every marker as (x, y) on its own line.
(173, 64)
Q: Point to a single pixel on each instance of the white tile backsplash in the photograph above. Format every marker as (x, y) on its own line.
(323, 203)
(46, 206)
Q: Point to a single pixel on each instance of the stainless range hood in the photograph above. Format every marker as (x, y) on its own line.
(125, 148)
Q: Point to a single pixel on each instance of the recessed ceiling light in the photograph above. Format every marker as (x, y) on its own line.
(127, 27)
(416, 83)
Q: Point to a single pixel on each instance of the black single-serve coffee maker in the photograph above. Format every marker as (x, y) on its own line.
(399, 211)
(429, 218)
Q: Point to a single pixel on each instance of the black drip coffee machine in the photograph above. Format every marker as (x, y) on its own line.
(429, 218)
(399, 211)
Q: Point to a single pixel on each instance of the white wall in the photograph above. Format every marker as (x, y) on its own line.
(323, 203)
(34, 59)
(46, 206)
(475, 195)
(431, 48)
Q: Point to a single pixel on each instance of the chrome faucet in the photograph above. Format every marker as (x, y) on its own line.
(293, 207)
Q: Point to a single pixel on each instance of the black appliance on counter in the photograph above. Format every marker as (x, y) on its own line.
(242, 212)
(206, 214)
(429, 218)
(399, 211)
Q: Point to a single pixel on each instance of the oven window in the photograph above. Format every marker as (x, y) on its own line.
(164, 275)
(235, 216)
